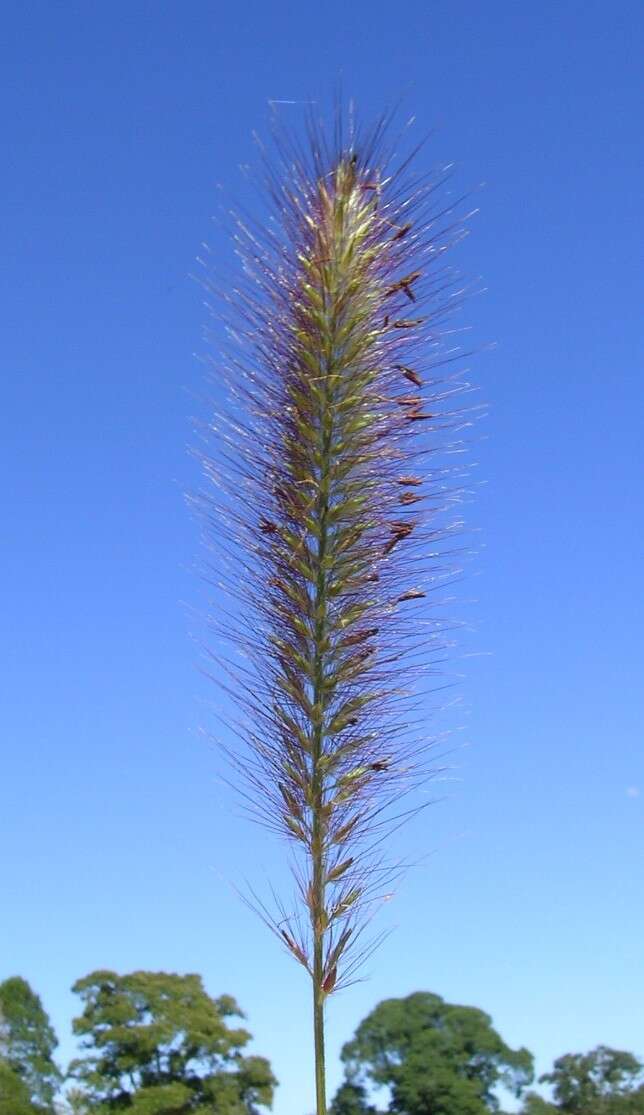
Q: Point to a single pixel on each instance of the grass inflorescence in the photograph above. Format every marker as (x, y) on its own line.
(328, 505)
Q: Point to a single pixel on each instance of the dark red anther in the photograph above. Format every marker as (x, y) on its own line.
(402, 231)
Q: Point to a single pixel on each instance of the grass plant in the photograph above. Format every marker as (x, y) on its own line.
(331, 508)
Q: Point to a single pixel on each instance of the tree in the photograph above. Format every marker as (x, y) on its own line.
(14, 1093)
(331, 513)
(351, 1099)
(27, 1043)
(156, 1044)
(434, 1057)
(76, 1102)
(534, 1104)
(603, 1082)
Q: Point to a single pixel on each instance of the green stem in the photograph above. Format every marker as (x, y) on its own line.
(317, 779)
(318, 1030)
(326, 416)
(317, 842)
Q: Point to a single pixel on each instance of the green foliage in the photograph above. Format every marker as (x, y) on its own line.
(351, 1099)
(534, 1104)
(436, 1059)
(14, 1093)
(603, 1082)
(77, 1103)
(156, 1044)
(27, 1044)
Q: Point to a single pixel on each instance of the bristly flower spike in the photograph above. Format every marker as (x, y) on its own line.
(328, 487)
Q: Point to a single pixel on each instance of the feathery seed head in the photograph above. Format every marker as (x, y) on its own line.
(318, 502)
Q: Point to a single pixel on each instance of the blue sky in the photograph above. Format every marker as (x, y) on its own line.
(119, 120)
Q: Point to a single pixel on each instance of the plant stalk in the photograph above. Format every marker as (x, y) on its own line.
(318, 872)
(318, 1031)
(317, 843)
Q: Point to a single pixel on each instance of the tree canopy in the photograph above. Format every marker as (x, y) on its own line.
(27, 1043)
(435, 1058)
(14, 1093)
(156, 1043)
(603, 1082)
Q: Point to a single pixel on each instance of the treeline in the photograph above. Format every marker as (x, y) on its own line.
(155, 1043)
(438, 1058)
(152, 1043)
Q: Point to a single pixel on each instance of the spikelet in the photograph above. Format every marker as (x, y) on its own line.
(329, 482)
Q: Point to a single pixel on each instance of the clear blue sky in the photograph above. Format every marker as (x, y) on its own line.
(118, 121)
